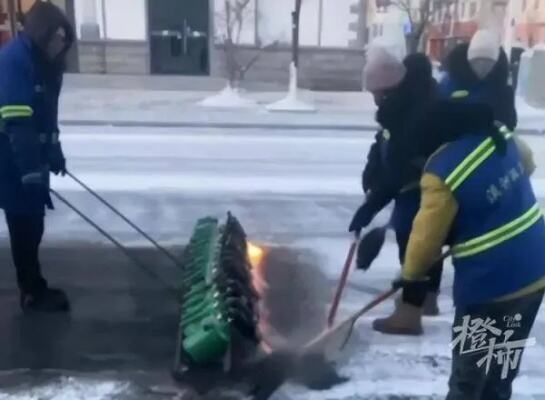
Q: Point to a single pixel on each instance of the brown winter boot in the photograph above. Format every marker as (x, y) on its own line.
(431, 307)
(405, 320)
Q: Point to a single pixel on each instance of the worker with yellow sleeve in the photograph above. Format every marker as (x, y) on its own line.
(477, 198)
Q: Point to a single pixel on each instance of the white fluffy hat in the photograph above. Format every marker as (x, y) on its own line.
(485, 44)
(383, 70)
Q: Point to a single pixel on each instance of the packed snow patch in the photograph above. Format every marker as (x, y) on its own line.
(68, 388)
(292, 102)
(228, 98)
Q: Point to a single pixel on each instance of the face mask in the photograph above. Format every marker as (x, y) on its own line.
(482, 67)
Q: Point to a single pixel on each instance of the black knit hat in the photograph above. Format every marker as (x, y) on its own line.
(43, 20)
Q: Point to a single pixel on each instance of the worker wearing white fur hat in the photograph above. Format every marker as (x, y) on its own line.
(478, 72)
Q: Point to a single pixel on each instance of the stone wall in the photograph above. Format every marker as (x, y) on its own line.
(114, 57)
(320, 68)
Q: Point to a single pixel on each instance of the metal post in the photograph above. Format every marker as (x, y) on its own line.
(257, 39)
(320, 22)
(12, 16)
(105, 36)
(295, 32)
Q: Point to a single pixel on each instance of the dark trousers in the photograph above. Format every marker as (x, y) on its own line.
(468, 381)
(417, 296)
(26, 232)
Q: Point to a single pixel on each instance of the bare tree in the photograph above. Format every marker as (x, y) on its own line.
(235, 14)
(419, 13)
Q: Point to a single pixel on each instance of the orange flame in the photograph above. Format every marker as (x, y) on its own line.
(256, 257)
(255, 254)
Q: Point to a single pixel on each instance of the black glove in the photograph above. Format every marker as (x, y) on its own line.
(57, 162)
(361, 219)
(419, 284)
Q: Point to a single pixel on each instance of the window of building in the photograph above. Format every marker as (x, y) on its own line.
(473, 9)
(336, 18)
(323, 23)
(536, 5)
(463, 11)
(524, 5)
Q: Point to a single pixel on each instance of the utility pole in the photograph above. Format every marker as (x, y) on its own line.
(12, 16)
(104, 38)
(104, 20)
(320, 22)
(295, 32)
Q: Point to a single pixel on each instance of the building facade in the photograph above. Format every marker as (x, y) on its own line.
(187, 38)
(520, 24)
(394, 23)
(452, 22)
(526, 22)
(174, 37)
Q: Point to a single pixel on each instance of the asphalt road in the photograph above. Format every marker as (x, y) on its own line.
(285, 187)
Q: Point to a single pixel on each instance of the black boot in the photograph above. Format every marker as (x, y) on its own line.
(48, 300)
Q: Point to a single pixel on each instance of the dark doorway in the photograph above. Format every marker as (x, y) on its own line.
(179, 36)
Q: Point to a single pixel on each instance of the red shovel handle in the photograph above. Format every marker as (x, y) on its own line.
(342, 283)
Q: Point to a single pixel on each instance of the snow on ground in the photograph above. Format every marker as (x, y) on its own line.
(382, 366)
(150, 103)
(228, 98)
(69, 388)
(288, 187)
(117, 106)
(292, 102)
(530, 117)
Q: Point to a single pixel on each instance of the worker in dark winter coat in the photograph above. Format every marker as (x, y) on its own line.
(31, 69)
(394, 170)
(477, 198)
(479, 73)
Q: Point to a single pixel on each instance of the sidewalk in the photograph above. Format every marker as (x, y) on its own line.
(172, 101)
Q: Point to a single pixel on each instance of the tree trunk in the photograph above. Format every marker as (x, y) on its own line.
(295, 32)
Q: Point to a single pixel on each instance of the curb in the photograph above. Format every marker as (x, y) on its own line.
(227, 125)
(240, 125)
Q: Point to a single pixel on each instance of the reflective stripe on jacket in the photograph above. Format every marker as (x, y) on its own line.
(498, 234)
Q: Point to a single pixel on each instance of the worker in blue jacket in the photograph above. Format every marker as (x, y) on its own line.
(31, 69)
(477, 198)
